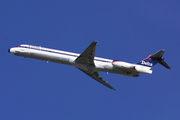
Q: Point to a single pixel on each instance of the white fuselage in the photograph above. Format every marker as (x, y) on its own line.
(68, 58)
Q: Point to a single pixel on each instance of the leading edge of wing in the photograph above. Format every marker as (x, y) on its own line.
(87, 57)
(95, 75)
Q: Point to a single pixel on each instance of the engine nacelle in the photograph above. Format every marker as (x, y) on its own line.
(143, 70)
(122, 65)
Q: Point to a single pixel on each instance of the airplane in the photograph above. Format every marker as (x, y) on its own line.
(88, 63)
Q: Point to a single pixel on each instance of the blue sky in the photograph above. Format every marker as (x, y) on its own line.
(126, 30)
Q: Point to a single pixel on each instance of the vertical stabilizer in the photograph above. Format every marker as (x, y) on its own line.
(148, 62)
(152, 60)
(158, 56)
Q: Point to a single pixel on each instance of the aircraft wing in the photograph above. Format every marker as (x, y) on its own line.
(95, 75)
(87, 57)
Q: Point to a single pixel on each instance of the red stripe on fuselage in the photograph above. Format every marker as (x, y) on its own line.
(116, 61)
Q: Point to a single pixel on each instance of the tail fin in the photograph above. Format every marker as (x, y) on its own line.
(152, 60)
(158, 56)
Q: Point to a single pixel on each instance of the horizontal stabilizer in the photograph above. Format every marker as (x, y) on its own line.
(158, 56)
(163, 63)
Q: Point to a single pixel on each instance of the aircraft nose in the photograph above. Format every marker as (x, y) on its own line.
(9, 50)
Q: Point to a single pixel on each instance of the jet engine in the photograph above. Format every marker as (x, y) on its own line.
(143, 70)
(121, 64)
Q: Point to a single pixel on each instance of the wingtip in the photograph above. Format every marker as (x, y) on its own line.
(113, 89)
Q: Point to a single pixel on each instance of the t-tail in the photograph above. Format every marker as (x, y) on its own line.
(152, 60)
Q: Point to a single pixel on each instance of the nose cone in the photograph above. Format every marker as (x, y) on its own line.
(9, 50)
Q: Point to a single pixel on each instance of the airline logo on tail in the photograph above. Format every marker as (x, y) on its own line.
(146, 63)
